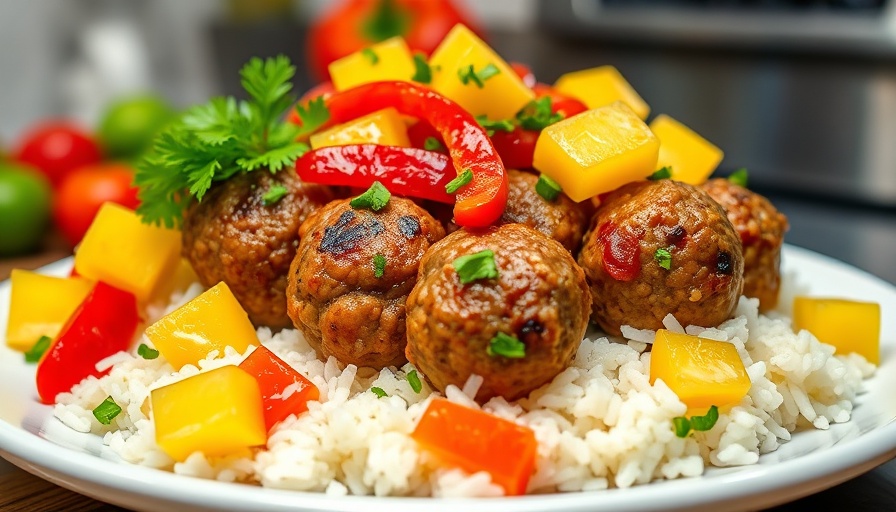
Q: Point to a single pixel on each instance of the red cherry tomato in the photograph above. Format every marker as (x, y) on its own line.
(57, 148)
(85, 190)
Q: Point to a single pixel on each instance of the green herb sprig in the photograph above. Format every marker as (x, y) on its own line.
(683, 426)
(462, 179)
(507, 346)
(375, 198)
(739, 177)
(106, 411)
(476, 266)
(468, 74)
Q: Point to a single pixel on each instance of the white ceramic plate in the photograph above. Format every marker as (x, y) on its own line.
(31, 438)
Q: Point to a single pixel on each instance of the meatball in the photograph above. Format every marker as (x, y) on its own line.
(561, 219)
(351, 276)
(660, 247)
(540, 297)
(233, 236)
(761, 228)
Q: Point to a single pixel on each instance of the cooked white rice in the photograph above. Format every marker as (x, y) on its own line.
(599, 423)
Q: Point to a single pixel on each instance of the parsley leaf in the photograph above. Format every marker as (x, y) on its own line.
(663, 173)
(467, 74)
(547, 188)
(739, 177)
(507, 346)
(313, 115)
(537, 114)
(379, 265)
(375, 198)
(462, 179)
(479, 265)
(664, 258)
(422, 71)
(274, 194)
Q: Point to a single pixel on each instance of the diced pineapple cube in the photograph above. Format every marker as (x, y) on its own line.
(217, 413)
(597, 87)
(848, 325)
(500, 94)
(124, 252)
(384, 127)
(181, 277)
(700, 371)
(39, 305)
(212, 321)
(596, 151)
(388, 60)
(690, 157)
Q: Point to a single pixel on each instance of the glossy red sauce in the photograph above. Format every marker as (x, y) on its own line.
(620, 252)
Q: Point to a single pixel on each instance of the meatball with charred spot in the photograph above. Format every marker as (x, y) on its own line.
(351, 276)
(761, 228)
(540, 297)
(235, 236)
(661, 247)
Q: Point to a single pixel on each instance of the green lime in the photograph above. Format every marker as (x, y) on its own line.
(128, 126)
(25, 199)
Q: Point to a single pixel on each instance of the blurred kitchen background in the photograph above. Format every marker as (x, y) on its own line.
(802, 93)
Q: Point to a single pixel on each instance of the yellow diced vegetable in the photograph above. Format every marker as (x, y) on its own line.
(700, 371)
(217, 413)
(690, 157)
(212, 321)
(596, 151)
(39, 305)
(597, 87)
(492, 88)
(181, 277)
(848, 325)
(122, 251)
(388, 60)
(384, 127)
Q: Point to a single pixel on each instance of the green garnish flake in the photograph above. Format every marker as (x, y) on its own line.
(375, 198)
(504, 125)
(414, 381)
(379, 265)
(34, 354)
(211, 143)
(274, 194)
(663, 258)
(739, 177)
(467, 74)
(547, 188)
(661, 174)
(537, 114)
(106, 411)
(462, 179)
(507, 346)
(378, 392)
(432, 144)
(146, 352)
(422, 71)
(683, 425)
(371, 56)
(476, 266)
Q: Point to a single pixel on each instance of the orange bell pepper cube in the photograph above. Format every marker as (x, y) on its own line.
(475, 441)
(284, 391)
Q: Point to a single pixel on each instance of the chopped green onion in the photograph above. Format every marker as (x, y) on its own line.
(379, 265)
(507, 346)
(538, 115)
(432, 144)
(147, 353)
(504, 125)
(274, 194)
(472, 267)
(422, 71)
(462, 179)
(414, 381)
(468, 74)
(106, 411)
(739, 177)
(683, 426)
(378, 392)
(661, 174)
(547, 188)
(37, 350)
(370, 55)
(375, 198)
(664, 258)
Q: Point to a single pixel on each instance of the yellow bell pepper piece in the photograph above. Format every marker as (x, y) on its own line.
(388, 60)
(596, 151)
(848, 325)
(122, 251)
(597, 87)
(39, 305)
(180, 278)
(385, 127)
(496, 91)
(690, 157)
(212, 321)
(217, 413)
(701, 372)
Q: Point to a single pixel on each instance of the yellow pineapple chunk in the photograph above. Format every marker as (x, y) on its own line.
(690, 157)
(384, 127)
(39, 305)
(700, 371)
(596, 151)
(597, 87)
(388, 60)
(848, 325)
(468, 71)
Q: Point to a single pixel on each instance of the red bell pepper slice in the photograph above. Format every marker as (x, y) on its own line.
(404, 171)
(284, 391)
(102, 325)
(479, 203)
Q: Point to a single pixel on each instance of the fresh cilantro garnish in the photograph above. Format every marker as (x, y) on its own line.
(537, 114)
(370, 55)
(479, 265)
(683, 425)
(212, 142)
(106, 411)
(147, 353)
(375, 198)
(664, 258)
(379, 265)
(414, 381)
(462, 179)
(467, 74)
(547, 188)
(387, 20)
(378, 392)
(274, 194)
(432, 144)
(663, 173)
(34, 354)
(504, 125)
(422, 71)
(507, 346)
(739, 177)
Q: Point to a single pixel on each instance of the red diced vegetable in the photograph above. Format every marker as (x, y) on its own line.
(284, 391)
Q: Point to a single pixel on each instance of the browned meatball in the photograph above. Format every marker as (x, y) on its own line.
(336, 296)
(232, 236)
(540, 297)
(562, 219)
(641, 228)
(761, 228)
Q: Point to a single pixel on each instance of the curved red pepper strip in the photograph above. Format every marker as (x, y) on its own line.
(479, 203)
(404, 171)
